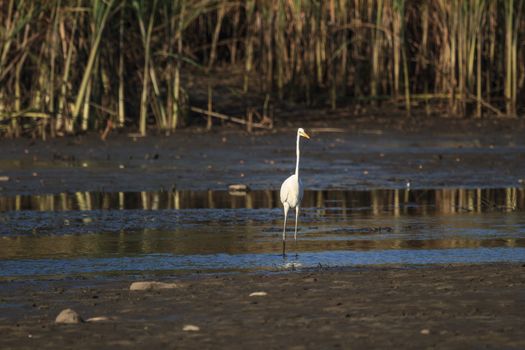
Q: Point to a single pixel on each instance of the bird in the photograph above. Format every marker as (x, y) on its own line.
(292, 191)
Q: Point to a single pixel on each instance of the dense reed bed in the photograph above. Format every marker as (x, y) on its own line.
(73, 65)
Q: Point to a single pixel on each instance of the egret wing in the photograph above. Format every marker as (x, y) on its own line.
(285, 190)
(290, 191)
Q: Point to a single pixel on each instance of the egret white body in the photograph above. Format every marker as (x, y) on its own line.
(292, 191)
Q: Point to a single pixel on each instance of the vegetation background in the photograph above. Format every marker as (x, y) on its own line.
(68, 66)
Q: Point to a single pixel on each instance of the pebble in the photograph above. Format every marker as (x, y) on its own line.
(152, 285)
(98, 319)
(258, 294)
(4, 178)
(238, 187)
(68, 316)
(425, 331)
(190, 328)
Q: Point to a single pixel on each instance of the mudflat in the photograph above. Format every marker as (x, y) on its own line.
(345, 153)
(452, 306)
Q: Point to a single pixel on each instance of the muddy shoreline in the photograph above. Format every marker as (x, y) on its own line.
(359, 153)
(453, 306)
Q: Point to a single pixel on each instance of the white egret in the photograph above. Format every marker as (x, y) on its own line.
(292, 191)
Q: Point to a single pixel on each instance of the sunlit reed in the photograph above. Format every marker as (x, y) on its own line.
(74, 65)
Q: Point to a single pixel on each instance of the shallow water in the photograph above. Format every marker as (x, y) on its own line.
(73, 234)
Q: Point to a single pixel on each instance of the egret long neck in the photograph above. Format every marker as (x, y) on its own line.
(298, 156)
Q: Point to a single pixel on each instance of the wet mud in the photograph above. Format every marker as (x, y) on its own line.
(353, 157)
(465, 306)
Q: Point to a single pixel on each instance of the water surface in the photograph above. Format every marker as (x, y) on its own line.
(71, 234)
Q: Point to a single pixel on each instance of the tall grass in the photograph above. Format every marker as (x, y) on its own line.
(74, 65)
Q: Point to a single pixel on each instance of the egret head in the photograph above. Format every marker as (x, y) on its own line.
(302, 133)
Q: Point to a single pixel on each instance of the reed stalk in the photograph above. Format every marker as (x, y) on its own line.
(63, 107)
(249, 42)
(121, 85)
(220, 15)
(140, 7)
(102, 13)
(377, 42)
(176, 83)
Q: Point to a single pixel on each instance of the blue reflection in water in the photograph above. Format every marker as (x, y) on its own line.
(226, 262)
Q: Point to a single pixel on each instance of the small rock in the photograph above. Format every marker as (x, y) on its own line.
(190, 328)
(425, 331)
(4, 178)
(152, 285)
(258, 294)
(98, 319)
(310, 279)
(238, 188)
(68, 316)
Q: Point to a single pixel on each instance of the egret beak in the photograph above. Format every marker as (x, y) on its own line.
(303, 134)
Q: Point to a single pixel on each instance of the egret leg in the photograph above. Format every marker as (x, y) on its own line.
(295, 233)
(296, 217)
(286, 207)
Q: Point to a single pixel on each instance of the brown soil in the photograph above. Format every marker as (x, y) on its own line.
(472, 306)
